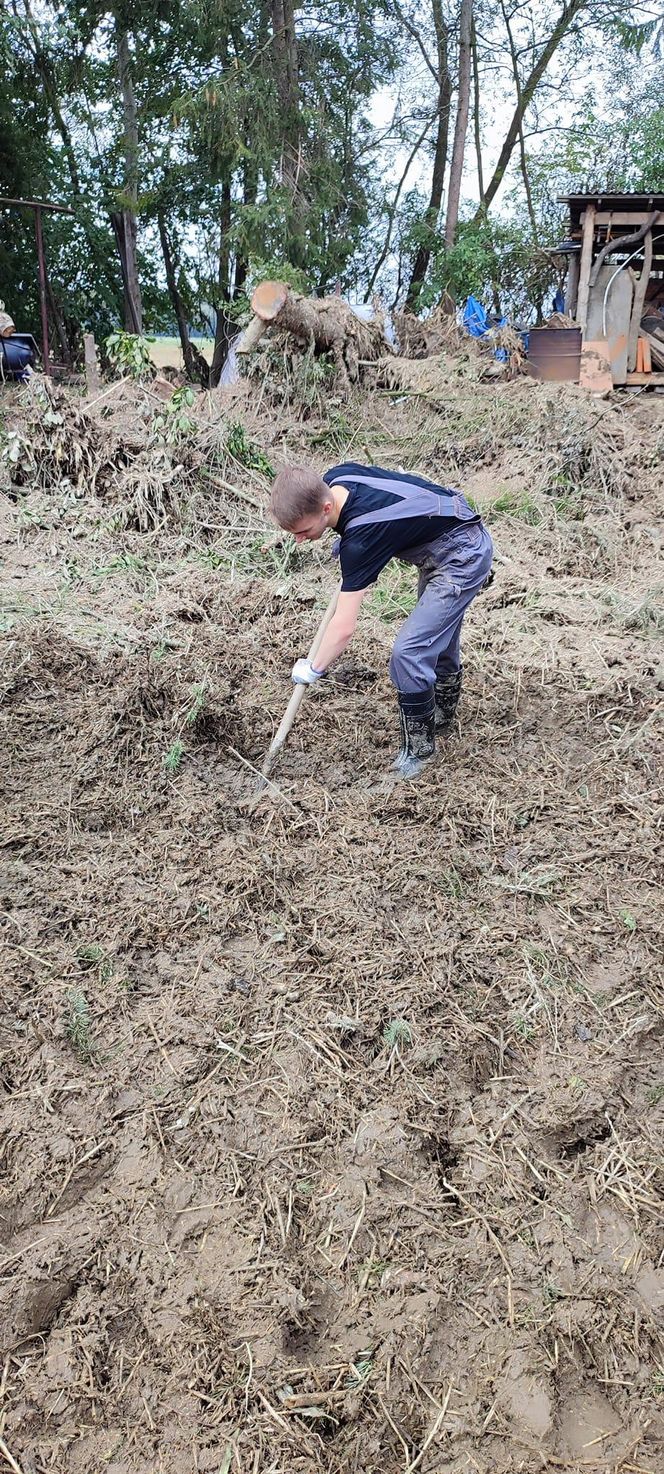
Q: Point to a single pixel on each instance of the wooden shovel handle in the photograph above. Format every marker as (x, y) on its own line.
(299, 693)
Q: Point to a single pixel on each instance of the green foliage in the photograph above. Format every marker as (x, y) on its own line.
(174, 756)
(496, 261)
(398, 1034)
(77, 1024)
(246, 451)
(198, 695)
(129, 353)
(174, 424)
(516, 504)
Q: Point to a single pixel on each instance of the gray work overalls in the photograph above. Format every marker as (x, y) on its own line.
(452, 570)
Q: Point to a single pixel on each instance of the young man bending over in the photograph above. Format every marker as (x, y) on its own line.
(380, 515)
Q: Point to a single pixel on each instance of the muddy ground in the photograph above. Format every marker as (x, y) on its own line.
(332, 1115)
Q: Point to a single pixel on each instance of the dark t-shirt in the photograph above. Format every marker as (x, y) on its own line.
(365, 551)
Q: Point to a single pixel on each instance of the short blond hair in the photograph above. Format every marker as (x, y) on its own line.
(297, 493)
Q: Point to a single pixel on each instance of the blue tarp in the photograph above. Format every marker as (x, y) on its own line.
(477, 322)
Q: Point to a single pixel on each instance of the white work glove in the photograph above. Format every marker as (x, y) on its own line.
(304, 673)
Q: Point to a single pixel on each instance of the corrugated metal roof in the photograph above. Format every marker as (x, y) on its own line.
(615, 201)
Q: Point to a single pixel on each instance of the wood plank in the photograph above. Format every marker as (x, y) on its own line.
(586, 266)
(644, 378)
(639, 300)
(655, 348)
(623, 217)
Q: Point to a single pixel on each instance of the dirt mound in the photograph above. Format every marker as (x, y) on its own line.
(331, 1113)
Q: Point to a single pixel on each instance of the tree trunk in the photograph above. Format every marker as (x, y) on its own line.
(568, 14)
(286, 70)
(225, 327)
(47, 74)
(461, 125)
(476, 115)
(522, 144)
(423, 256)
(196, 367)
(125, 228)
(58, 323)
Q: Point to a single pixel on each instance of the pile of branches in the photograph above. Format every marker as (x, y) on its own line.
(144, 459)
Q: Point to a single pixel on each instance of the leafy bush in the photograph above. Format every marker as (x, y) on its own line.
(129, 353)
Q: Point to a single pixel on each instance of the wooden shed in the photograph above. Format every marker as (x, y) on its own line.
(615, 285)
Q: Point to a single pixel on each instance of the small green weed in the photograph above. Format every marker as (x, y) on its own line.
(518, 504)
(655, 1095)
(450, 883)
(197, 704)
(90, 955)
(577, 1084)
(121, 563)
(398, 1034)
(77, 1024)
(174, 756)
(174, 424)
(246, 451)
(627, 919)
(361, 1368)
(372, 1272)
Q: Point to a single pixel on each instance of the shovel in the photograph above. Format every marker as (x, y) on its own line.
(298, 694)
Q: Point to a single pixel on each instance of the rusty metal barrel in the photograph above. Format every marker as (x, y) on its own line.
(554, 354)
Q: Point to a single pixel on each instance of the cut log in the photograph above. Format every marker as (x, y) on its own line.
(322, 325)
(251, 335)
(267, 300)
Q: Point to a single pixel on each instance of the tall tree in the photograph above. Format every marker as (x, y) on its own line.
(443, 80)
(566, 17)
(124, 219)
(461, 124)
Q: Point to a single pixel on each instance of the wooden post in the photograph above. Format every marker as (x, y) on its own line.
(572, 285)
(639, 301)
(586, 266)
(92, 380)
(42, 287)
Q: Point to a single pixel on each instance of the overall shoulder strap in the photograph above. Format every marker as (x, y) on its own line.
(414, 501)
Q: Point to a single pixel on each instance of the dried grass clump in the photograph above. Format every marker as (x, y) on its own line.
(153, 491)
(419, 337)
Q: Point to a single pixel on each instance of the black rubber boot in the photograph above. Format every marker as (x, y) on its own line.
(447, 692)
(417, 716)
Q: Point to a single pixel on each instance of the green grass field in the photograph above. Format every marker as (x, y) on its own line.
(166, 352)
